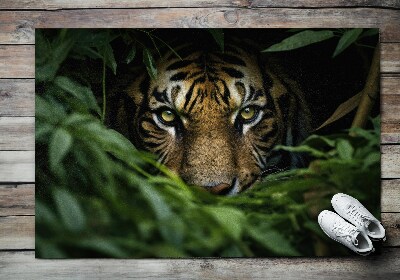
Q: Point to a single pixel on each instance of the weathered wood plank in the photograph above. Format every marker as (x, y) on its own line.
(17, 166)
(390, 108)
(390, 161)
(17, 97)
(91, 4)
(17, 61)
(17, 200)
(391, 222)
(390, 58)
(390, 196)
(17, 232)
(17, 133)
(17, 27)
(384, 266)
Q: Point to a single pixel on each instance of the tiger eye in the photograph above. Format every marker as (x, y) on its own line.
(248, 113)
(167, 116)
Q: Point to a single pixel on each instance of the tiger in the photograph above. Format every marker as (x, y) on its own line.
(214, 117)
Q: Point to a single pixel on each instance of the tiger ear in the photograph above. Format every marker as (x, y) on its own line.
(290, 104)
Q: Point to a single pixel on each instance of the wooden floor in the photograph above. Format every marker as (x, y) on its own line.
(18, 18)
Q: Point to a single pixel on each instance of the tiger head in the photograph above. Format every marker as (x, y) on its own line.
(214, 118)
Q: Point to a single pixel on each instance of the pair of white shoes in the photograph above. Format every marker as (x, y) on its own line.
(357, 234)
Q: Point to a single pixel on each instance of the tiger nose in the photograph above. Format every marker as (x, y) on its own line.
(224, 188)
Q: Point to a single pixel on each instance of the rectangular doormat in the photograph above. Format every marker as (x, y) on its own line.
(181, 143)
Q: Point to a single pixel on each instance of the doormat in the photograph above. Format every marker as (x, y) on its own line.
(181, 143)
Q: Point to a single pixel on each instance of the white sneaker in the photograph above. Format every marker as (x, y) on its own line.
(345, 233)
(352, 210)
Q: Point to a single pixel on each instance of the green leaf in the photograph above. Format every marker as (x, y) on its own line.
(80, 92)
(218, 35)
(348, 38)
(69, 210)
(108, 55)
(370, 32)
(230, 219)
(60, 143)
(273, 241)
(371, 159)
(302, 149)
(131, 55)
(301, 39)
(148, 60)
(345, 149)
(46, 69)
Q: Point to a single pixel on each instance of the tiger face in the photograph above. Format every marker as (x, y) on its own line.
(214, 118)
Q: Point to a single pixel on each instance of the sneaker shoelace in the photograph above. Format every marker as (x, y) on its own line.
(362, 219)
(347, 232)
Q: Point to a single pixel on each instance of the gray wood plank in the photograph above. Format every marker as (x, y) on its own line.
(17, 200)
(390, 161)
(20, 199)
(74, 4)
(23, 265)
(17, 97)
(18, 232)
(17, 166)
(390, 58)
(17, 61)
(17, 133)
(390, 197)
(17, 27)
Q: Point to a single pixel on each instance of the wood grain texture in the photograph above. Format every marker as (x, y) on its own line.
(90, 4)
(390, 58)
(390, 195)
(390, 161)
(24, 229)
(384, 266)
(391, 222)
(17, 27)
(17, 200)
(17, 166)
(17, 133)
(17, 97)
(17, 232)
(17, 61)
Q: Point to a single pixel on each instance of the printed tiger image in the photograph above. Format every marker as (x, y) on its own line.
(215, 117)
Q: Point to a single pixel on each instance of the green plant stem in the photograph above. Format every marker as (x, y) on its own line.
(103, 115)
(369, 93)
